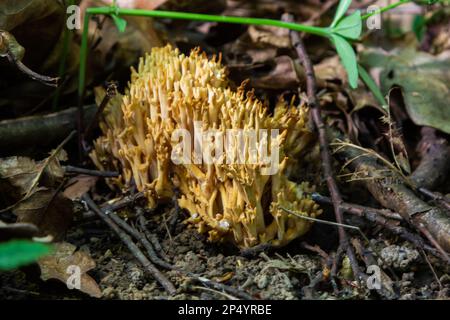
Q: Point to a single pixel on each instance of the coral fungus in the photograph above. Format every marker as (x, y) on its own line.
(179, 125)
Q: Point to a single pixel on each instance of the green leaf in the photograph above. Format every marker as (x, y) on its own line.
(17, 253)
(340, 11)
(349, 27)
(348, 58)
(424, 80)
(121, 23)
(419, 27)
(373, 87)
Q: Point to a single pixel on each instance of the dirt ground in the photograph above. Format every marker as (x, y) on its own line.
(283, 275)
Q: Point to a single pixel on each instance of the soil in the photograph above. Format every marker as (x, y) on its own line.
(284, 274)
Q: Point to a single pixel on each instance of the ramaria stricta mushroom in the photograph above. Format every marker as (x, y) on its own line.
(180, 126)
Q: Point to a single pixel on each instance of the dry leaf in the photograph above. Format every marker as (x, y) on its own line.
(49, 210)
(62, 264)
(38, 26)
(79, 185)
(31, 190)
(17, 175)
(117, 51)
(25, 175)
(273, 36)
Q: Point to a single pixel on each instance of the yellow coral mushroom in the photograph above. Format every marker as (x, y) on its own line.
(179, 125)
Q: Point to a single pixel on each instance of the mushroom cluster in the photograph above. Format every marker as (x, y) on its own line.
(180, 126)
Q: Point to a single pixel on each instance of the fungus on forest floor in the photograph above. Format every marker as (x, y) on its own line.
(180, 125)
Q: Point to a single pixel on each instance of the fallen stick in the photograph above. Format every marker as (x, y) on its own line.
(10, 48)
(327, 171)
(114, 222)
(134, 249)
(434, 167)
(391, 192)
(21, 133)
(373, 215)
(436, 196)
(95, 173)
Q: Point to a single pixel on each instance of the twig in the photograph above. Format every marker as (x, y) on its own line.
(220, 286)
(334, 268)
(96, 173)
(434, 166)
(113, 221)
(313, 103)
(431, 268)
(331, 223)
(48, 81)
(20, 133)
(149, 267)
(371, 215)
(152, 238)
(129, 200)
(226, 295)
(139, 237)
(394, 194)
(10, 48)
(436, 196)
(362, 211)
(110, 92)
(316, 249)
(433, 241)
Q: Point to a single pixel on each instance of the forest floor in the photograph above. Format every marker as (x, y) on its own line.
(409, 57)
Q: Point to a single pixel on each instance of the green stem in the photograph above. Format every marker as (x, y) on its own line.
(67, 39)
(384, 9)
(83, 57)
(373, 87)
(209, 18)
(324, 32)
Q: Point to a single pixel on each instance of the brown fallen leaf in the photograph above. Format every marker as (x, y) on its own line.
(30, 190)
(282, 76)
(79, 185)
(115, 52)
(49, 210)
(39, 27)
(25, 175)
(16, 177)
(64, 265)
(273, 36)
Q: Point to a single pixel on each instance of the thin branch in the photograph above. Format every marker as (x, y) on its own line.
(139, 237)
(313, 103)
(134, 249)
(436, 196)
(152, 238)
(95, 173)
(373, 215)
(111, 91)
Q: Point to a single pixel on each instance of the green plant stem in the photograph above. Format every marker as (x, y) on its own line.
(384, 9)
(83, 57)
(209, 18)
(67, 39)
(324, 32)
